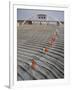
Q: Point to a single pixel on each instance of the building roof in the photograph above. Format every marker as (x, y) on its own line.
(52, 15)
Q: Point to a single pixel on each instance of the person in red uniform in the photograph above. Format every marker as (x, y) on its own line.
(45, 50)
(33, 64)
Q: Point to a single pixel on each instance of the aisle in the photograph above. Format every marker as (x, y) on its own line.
(48, 65)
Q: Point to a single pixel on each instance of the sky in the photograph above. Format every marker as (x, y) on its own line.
(31, 14)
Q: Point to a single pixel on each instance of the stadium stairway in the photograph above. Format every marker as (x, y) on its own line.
(49, 65)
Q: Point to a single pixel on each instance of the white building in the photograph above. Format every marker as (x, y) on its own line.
(39, 16)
